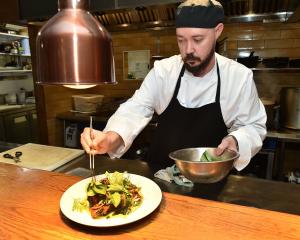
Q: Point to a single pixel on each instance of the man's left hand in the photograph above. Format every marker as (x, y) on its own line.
(227, 143)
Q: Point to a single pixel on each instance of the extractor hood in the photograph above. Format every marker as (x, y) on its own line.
(117, 15)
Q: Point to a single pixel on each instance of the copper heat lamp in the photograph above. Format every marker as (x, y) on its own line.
(74, 49)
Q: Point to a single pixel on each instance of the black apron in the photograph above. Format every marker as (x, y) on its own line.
(179, 127)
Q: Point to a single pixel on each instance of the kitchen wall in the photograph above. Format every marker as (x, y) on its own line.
(266, 39)
(158, 42)
(13, 84)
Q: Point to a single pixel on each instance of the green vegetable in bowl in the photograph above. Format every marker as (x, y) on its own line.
(208, 157)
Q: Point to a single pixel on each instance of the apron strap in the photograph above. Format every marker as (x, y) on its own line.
(178, 82)
(219, 84)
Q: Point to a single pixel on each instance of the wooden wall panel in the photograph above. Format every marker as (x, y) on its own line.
(290, 33)
(281, 43)
(250, 44)
(266, 34)
(232, 44)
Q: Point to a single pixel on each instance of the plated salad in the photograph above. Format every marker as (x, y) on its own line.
(111, 195)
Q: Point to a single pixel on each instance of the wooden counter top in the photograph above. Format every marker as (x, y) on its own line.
(29, 207)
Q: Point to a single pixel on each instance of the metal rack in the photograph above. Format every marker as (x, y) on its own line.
(6, 37)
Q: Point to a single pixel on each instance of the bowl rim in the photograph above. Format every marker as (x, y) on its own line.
(188, 161)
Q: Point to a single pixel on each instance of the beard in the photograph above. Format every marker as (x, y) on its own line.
(201, 66)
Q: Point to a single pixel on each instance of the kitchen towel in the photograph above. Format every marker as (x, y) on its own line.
(172, 174)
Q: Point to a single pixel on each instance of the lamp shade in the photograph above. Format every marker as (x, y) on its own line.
(74, 49)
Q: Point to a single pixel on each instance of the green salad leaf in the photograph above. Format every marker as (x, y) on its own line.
(115, 198)
(115, 188)
(208, 157)
(115, 178)
(80, 205)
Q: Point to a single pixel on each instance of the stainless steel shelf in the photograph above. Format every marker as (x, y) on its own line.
(12, 54)
(279, 70)
(5, 37)
(15, 72)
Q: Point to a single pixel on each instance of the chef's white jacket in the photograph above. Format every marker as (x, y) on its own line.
(242, 110)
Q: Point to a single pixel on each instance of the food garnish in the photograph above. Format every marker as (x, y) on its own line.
(109, 196)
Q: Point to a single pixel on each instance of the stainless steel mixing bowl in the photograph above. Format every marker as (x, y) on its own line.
(188, 162)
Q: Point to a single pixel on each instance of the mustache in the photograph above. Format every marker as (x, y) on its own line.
(191, 57)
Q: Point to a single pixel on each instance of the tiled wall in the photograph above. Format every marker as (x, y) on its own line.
(266, 39)
(13, 84)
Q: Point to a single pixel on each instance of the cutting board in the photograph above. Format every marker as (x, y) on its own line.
(43, 157)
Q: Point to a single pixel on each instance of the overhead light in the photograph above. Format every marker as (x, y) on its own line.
(73, 49)
(79, 86)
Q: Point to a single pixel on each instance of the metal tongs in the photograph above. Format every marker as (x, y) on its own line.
(92, 155)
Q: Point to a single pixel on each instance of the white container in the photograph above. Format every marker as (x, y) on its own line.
(87, 103)
(25, 45)
(21, 96)
(11, 98)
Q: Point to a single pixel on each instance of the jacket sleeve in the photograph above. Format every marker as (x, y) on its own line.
(133, 115)
(154, 94)
(249, 124)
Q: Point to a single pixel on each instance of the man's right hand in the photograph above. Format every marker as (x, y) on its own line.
(100, 142)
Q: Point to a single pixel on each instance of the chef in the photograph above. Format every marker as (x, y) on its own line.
(202, 98)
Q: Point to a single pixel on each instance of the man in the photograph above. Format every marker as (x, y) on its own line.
(202, 98)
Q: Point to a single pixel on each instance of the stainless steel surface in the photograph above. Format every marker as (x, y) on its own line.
(272, 111)
(290, 107)
(188, 162)
(6, 107)
(285, 134)
(74, 49)
(235, 11)
(151, 15)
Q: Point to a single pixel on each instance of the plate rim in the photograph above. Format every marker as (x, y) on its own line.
(155, 206)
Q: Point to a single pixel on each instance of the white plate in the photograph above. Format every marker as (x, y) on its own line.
(151, 193)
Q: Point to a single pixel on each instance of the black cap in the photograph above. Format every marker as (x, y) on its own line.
(199, 16)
